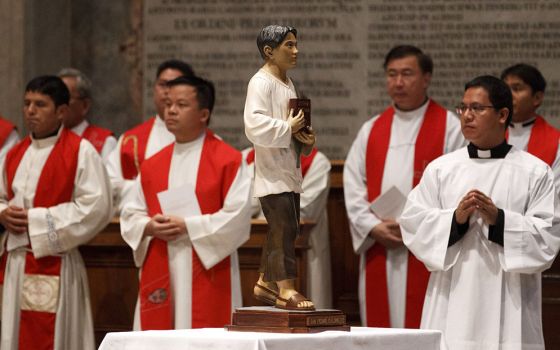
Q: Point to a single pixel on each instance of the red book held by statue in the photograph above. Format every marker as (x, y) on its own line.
(305, 105)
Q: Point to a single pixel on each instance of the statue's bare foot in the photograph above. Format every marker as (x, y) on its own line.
(267, 292)
(292, 300)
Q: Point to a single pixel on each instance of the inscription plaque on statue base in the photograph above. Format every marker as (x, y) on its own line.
(273, 320)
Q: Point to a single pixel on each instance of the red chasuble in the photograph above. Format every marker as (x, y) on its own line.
(543, 142)
(306, 161)
(211, 289)
(96, 136)
(55, 186)
(133, 148)
(428, 146)
(6, 128)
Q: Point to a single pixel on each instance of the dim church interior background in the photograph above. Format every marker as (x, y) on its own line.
(342, 45)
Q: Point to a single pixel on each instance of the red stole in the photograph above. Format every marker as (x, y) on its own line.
(428, 146)
(543, 141)
(250, 156)
(133, 148)
(96, 136)
(211, 289)
(36, 329)
(306, 161)
(6, 128)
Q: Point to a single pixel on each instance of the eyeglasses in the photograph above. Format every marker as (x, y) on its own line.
(76, 98)
(476, 109)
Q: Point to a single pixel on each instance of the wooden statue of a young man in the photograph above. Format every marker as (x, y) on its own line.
(279, 137)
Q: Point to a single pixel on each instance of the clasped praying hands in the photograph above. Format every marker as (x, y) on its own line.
(388, 233)
(477, 201)
(166, 227)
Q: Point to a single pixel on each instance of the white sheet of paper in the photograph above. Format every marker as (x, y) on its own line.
(389, 205)
(179, 201)
(21, 240)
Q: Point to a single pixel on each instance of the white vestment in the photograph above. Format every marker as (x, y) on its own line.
(230, 226)
(75, 223)
(11, 140)
(122, 188)
(398, 172)
(519, 137)
(483, 295)
(313, 207)
(108, 146)
(266, 126)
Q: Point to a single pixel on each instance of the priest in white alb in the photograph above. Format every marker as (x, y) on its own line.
(77, 120)
(189, 214)
(390, 153)
(55, 196)
(484, 219)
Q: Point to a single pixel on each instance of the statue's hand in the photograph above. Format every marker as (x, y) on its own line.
(307, 137)
(297, 122)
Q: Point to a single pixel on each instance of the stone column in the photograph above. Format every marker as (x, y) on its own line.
(35, 38)
(12, 59)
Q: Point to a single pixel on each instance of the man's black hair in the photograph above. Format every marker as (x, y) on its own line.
(179, 65)
(499, 93)
(529, 74)
(402, 51)
(51, 86)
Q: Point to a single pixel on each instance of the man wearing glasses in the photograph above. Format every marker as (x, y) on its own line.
(484, 219)
(79, 86)
(391, 151)
(528, 130)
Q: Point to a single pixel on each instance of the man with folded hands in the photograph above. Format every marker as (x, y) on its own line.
(55, 195)
(390, 152)
(189, 213)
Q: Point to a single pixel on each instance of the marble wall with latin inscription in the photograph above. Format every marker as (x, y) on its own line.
(342, 45)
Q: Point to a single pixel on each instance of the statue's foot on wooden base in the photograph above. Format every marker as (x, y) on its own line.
(296, 301)
(265, 294)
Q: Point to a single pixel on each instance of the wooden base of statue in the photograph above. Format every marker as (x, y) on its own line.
(273, 320)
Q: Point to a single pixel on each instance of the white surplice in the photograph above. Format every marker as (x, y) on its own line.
(398, 172)
(230, 226)
(75, 223)
(313, 207)
(122, 188)
(483, 295)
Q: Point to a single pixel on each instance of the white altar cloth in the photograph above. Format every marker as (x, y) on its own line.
(217, 338)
